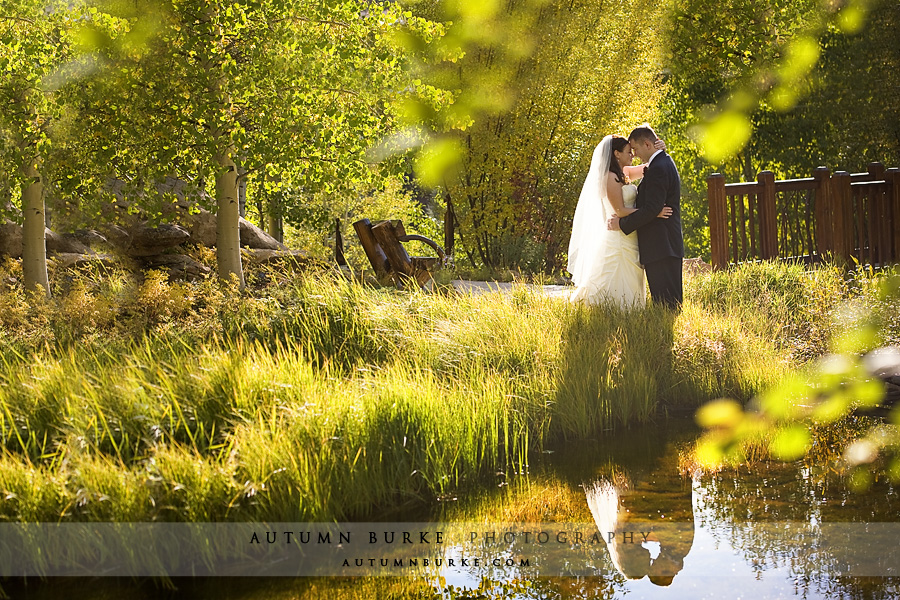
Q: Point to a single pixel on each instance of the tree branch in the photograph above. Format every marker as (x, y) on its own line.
(21, 19)
(314, 21)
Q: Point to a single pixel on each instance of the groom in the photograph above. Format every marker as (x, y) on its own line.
(660, 241)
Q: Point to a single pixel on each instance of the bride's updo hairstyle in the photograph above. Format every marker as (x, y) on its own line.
(618, 144)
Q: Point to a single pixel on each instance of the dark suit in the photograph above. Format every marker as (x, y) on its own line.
(660, 241)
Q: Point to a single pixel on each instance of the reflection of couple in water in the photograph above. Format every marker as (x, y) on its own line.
(648, 526)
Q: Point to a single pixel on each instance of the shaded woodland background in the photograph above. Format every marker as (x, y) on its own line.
(294, 113)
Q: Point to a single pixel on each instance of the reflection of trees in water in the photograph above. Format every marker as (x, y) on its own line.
(774, 491)
(784, 516)
(731, 505)
(599, 588)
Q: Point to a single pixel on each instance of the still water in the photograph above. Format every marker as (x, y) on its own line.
(660, 530)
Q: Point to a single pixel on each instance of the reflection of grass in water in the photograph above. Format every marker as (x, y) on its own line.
(826, 448)
(760, 488)
(322, 399)
(232, 588)
(528, 499)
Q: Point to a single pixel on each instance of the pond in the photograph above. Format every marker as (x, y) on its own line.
(624, 516)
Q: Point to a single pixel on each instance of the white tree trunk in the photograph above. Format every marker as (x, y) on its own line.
(228, 234)
(34, 243)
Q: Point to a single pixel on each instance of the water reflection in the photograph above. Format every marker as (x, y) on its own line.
(647, 518)
(640, 547)
(783, 529)
(767, 531)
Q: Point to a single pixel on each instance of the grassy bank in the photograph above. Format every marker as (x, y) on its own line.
(318, 399)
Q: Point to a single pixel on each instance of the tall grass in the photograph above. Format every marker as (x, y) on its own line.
(321, 399)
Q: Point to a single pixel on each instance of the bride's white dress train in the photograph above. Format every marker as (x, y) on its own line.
(614, 271)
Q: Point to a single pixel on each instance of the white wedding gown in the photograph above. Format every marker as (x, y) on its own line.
(615, 272)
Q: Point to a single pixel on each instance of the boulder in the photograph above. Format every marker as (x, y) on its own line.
(260, 256)
(150, 241)
(254, 237)
(11, 240)
(178, 266)
(202, 227)
(117, 236)
(88, 237)
(64, 244)
(73, 259)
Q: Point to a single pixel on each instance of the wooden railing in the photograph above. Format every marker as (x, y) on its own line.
(850, 217)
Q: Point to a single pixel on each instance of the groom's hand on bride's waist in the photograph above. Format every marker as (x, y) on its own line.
(613, 223)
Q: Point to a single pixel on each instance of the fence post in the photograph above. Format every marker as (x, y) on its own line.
(876, 171)
(768, 225)
(892, 176)
(718, 221)
(824, 211)
(339, 244)
(842, 215)
(449, 226)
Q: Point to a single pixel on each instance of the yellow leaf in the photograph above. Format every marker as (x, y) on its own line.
(723, 413)
(802, 55)
(709, 455)
(832, 409)
(868, 393)
(724, 136)
(783, 98)
(436, 160)
(790, 443)
(851, 19)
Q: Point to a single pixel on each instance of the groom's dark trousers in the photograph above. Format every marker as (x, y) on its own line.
(664, 280)
(660, 241)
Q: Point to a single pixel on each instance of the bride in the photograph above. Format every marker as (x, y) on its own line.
(604, 264)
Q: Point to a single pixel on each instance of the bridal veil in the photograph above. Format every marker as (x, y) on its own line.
(589, 232)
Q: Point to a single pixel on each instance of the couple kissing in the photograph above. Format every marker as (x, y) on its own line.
(622, 231)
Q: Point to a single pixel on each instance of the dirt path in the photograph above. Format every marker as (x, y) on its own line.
(486, 287)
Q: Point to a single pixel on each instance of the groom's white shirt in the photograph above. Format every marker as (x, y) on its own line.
(652, 157)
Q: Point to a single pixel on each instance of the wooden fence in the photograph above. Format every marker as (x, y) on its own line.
(849, 216)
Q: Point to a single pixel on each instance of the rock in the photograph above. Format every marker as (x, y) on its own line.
(118, 237)
(150, 241)
(67, 243)
(11, 239)
(178, 266)
(891, 393)
(261, 256)
(143, 240)
(884, 362)
(60, 243)
(202, 227)
(74, 259)
(88, 237)
(254, 237)
(696, 265)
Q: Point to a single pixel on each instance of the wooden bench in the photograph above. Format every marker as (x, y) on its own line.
(383, 244)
